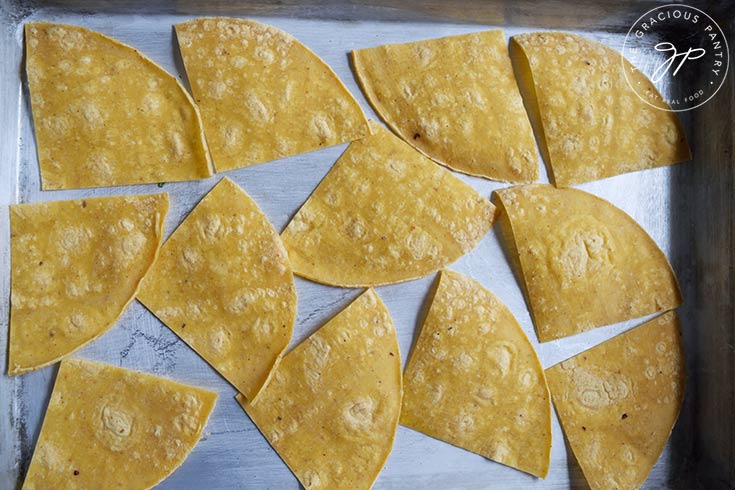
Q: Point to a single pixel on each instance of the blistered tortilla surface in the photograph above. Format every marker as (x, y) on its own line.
(455, 99)
(474, 380)
(223, 284)
(331, 408)
(263, 95)
(106, 115)
(75, 266)
(589, 122)
(584, 262)
(108, 427)
(618, 402)
(384, 214)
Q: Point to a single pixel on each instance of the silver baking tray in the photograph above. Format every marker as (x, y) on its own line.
(687, 209)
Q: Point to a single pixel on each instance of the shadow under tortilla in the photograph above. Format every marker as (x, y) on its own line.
(179, 63)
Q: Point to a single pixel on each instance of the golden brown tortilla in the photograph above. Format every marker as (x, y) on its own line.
(107, 427)
(224, 285)
(331, 407)
(263, 95)
(584, 263)
(589, 122)
(455, 100)
(618, 402)
(105, 115)
(474, 380)
(384, 214)
(75, 266)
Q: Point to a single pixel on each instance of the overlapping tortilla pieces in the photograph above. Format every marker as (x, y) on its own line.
(455, 99)
(589, 122)
(224, 285)
(108, 427)
(474, 380)
(331, 407)
(263, 95)
(105, 115)
(75, 266)
(384, 214)
(583, 262)
(618, 402)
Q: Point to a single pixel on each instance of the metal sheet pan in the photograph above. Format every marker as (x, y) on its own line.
(687, 209)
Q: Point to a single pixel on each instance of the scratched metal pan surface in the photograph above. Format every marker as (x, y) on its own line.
(687, 209)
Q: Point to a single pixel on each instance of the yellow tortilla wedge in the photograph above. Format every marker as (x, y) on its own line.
(224, 285)
(618, 402)
(106, 115)
(108, 427)
(384, 214)
(473, 379)
(263, 95)
(454, 99)
(75, 266)
(589, 122)
(331, 407)
(583, 262)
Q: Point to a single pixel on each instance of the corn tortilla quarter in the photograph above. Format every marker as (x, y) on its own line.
(589, 122)
(263, 95)
(332, 405)
(106, 115)
(224, 285)
(473, 379)
(75, 266)
(108, 427)
(618, 402)
(454, 99)
(583, 262)
(384, 214)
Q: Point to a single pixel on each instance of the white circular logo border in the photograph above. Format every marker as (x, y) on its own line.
(727, 57)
